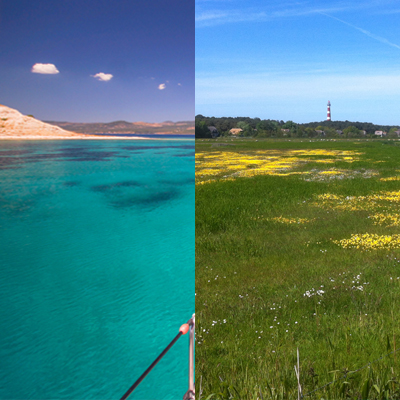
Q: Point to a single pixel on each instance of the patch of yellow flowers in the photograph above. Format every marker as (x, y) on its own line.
(368, 241)
(290, 221)
(386, 219)
(384, 201)
(358, 203)
(226, 164)
(391, 178)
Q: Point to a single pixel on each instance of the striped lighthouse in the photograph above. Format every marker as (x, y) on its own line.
(328, 117)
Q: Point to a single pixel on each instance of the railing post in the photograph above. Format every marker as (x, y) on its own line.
(191, 355)
(190, 394)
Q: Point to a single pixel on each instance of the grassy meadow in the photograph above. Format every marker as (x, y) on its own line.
(297, 246)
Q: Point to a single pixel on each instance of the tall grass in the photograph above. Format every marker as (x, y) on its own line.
(265, 288)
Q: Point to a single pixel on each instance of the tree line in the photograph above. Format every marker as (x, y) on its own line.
(256, 127)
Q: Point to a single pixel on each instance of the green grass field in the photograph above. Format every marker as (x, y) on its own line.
(297, 246)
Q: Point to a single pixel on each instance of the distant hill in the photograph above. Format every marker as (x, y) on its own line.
(144, 128)
(14, 125)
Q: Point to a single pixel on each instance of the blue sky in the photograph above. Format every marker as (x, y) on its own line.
(284, 60)
(144, 48)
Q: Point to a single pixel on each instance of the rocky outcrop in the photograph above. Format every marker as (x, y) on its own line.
(14, 125)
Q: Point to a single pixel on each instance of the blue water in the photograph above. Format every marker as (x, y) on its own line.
(97, 263)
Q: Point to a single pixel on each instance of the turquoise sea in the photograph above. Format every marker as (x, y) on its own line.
(97, 267)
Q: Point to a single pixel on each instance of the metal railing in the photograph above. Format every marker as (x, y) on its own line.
(188, 327)
(190, 394)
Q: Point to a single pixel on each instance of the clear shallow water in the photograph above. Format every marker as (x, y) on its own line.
(153, 136)
(97, 263)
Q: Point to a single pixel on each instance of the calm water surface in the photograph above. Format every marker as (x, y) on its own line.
(97, 263)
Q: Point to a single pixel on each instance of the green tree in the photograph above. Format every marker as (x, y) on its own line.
(392, 133)
(266, 128)
(201, 130)
(289, 125)
(246, 128)
(330, 132)
(309, 132)
(351, 131)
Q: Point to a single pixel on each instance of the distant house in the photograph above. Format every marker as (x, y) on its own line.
(339, 132)
(320, 132)
(397, 133)
(285, 130)
(380, 133)
(214, 131)
(236, 131)
(363, 132)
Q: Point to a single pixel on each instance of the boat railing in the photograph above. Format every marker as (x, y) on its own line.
(185, 328)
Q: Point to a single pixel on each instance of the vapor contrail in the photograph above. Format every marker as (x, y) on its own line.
(371, 35)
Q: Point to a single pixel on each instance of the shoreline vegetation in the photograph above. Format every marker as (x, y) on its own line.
(297, 247)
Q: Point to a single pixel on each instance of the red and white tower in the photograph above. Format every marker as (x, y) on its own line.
(328, 117)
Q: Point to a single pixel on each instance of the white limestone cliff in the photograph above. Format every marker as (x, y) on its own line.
(14, 125)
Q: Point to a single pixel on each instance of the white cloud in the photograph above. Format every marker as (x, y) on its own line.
(49, 69)
(179, 84)
(101, 76)
(161, 86)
